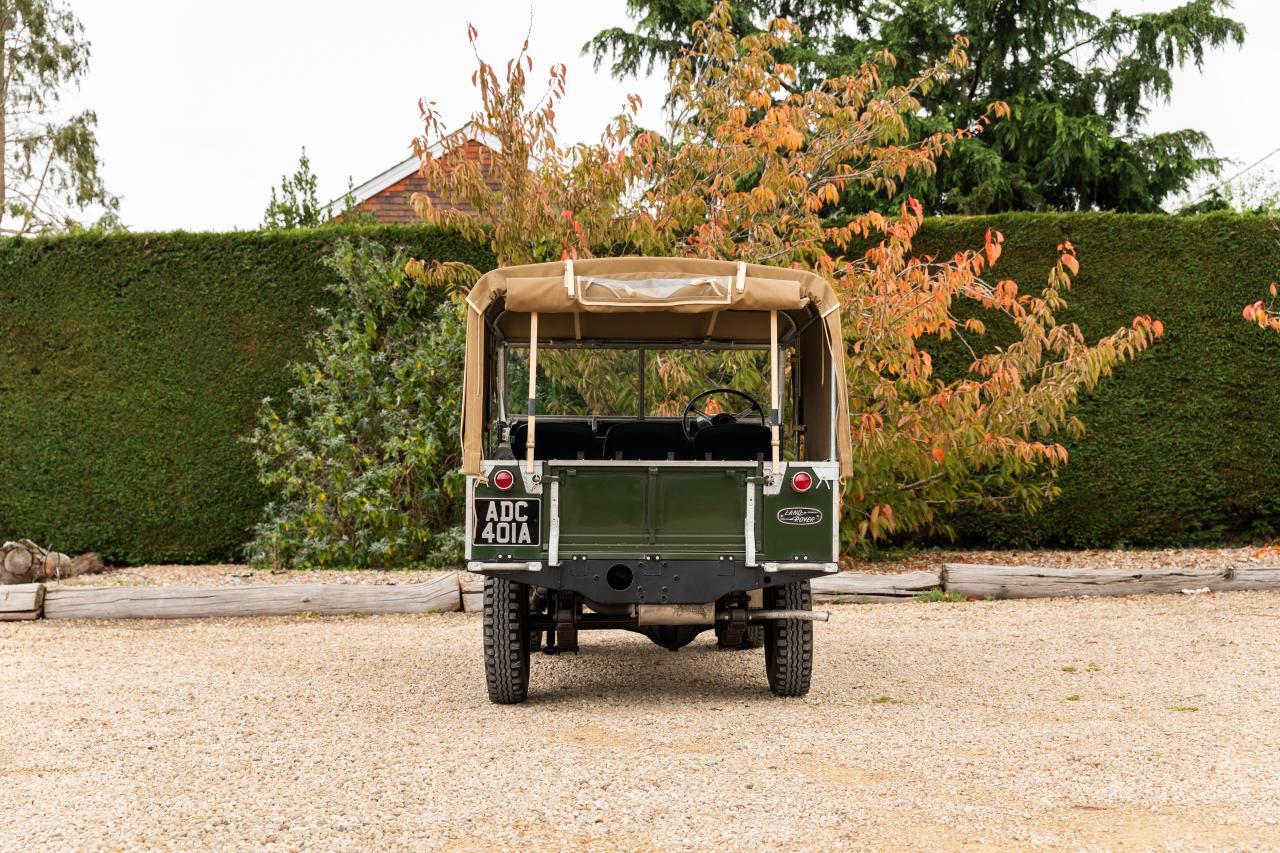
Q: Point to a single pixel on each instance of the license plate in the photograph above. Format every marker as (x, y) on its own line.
(508, 521)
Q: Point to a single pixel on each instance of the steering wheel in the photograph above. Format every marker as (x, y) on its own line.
(694, 418)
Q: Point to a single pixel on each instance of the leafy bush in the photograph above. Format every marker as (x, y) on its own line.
(363, 455)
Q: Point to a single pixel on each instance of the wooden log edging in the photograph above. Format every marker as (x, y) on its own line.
(874, 587)
(471, 586)
(21, 601)
(980, 581)
(464, 591)
(438, 595)
(1249, 578)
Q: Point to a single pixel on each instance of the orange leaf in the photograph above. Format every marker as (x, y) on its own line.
(992, 248)
(938, 455)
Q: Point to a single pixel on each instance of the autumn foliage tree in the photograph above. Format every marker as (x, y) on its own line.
(749, 165)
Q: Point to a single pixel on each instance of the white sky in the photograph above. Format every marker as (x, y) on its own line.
(203, 106)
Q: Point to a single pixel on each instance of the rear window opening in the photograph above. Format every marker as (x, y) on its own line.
(607, 382)
(627, 404)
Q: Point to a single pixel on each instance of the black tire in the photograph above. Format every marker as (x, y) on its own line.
(506, 641)
(788, 643)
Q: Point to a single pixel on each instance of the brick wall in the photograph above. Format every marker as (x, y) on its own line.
(393, 205)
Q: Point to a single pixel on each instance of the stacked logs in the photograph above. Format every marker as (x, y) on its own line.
(26, 562)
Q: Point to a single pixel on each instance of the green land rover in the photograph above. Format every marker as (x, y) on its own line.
(596, 501)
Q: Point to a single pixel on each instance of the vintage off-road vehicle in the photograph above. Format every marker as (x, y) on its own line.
(594, 502)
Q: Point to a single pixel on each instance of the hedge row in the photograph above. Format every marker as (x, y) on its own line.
(1180, 444)
(131, 365)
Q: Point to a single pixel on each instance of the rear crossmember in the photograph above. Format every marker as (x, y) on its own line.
(653, 580)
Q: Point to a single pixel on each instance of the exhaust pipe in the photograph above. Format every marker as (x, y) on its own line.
(799, 615)
(705, 614)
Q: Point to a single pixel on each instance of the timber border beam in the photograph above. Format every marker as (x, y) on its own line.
(463, 591)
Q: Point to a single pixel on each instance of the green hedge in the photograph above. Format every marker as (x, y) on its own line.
(131, 365)
(1180, 444)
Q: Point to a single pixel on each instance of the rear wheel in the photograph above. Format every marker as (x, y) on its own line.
(788, 643)
(506, 640)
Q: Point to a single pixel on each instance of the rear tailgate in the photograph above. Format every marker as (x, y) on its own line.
(681, 510)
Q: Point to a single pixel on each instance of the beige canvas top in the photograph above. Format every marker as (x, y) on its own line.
(660, 299)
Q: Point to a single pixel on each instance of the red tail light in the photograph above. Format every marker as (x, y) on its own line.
(504, 479)
(801, 481)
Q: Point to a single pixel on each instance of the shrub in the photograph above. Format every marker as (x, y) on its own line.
(363, 455)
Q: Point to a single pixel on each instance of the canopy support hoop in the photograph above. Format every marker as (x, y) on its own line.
(775, 404)
(640, 391)
(533, 390)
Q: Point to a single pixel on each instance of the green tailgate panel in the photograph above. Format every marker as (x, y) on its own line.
(637, 510)
(704, 506)
(602, 506)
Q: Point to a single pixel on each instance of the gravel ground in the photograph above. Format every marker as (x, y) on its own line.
(1091, 724)
(232, 574)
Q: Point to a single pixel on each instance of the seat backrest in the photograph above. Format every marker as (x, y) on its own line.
(646, 440)
(731, 442)
(556, 440)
